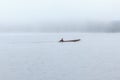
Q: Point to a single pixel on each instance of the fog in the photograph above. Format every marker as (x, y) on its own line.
(59, 27)
(59, 15)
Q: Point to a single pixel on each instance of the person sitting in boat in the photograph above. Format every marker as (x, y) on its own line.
(61, 40)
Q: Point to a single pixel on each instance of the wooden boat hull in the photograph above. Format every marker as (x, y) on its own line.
(70, 40)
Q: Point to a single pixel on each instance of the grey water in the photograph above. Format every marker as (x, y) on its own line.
(40, 56)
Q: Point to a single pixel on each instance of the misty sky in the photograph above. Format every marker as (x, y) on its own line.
(22, 13)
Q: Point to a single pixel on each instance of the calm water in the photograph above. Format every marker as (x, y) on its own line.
(41, 57)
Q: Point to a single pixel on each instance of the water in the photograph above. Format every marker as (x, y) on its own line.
(42, 57)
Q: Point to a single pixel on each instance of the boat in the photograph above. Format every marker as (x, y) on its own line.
(75, 40)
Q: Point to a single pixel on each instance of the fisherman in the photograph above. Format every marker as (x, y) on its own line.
(61, 40)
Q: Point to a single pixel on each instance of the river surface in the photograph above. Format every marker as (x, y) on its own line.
(39, 56)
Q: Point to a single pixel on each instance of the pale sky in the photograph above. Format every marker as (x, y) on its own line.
(31, 12)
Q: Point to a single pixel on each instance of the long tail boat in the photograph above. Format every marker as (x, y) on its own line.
(75, 40)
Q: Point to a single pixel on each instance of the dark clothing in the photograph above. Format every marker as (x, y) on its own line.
(61, 40)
